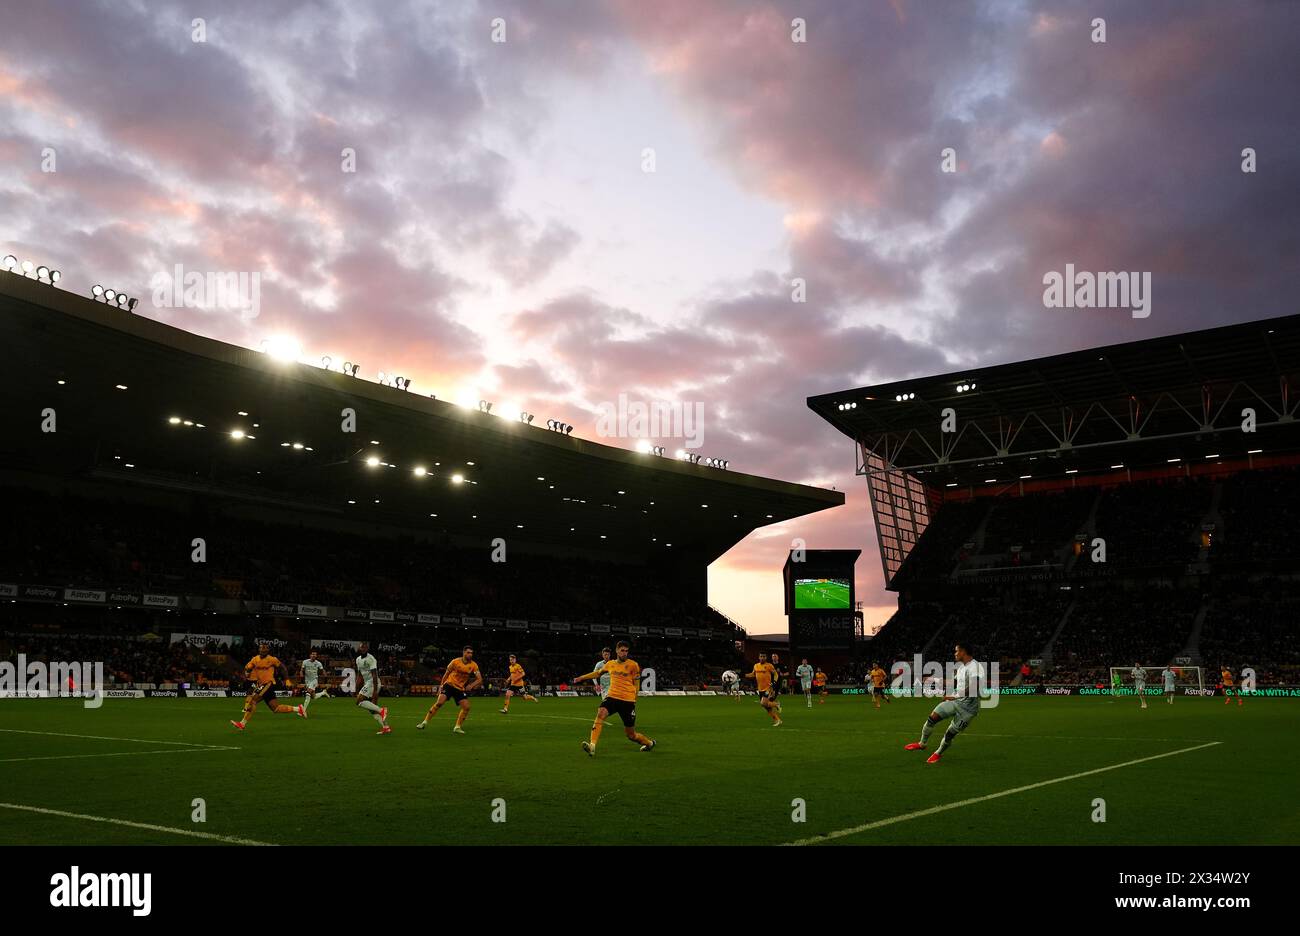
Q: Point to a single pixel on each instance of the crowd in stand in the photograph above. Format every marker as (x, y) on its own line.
(1261, 517)
(1254, 624)
(1118, 627)
(1131, 609)
(70, 541)
(940, 544)
(133, 660)
(1042, 525)
(1154, 523)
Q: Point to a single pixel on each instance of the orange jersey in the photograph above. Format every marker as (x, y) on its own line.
(878, 678)
(1227, 678)
(624, 679)
(262, 669)
(516, 674)
(763, 674)
(460, 673)
(819, 678)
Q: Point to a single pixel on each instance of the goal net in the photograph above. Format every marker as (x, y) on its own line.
(1185, 677)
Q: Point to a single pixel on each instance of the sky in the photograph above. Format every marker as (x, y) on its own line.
(559, 203)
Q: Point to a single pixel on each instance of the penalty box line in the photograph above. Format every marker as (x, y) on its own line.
(61, 734)
(147, 826)
(892, 820)
(176, 747)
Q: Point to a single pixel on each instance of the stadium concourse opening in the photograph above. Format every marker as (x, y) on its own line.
(1137, 503)
(167, 493)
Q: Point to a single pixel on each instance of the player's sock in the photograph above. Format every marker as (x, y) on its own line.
(377, 717)
(926, 729)
(639, 738)
(595, 732)
(946, 740)
(306, 702)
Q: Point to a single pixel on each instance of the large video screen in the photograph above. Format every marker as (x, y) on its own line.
(822, 593)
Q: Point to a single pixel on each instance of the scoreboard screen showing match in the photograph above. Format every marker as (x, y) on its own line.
(822, 594)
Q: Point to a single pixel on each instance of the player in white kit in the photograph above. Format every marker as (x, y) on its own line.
(310, 669)
(1139, 682)
(962, 706)
(805, 674)
(603, 682)
(1170, 677)
(368, 691)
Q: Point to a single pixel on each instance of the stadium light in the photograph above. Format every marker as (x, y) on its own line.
(97, 290)
(281, 347)
(350, 368)
(457, 479)
(236, 434)
(484, 406)
(644, 447)
(372, 462)
(420, 471)
(10, 262)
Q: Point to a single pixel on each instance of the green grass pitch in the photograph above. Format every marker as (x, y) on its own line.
(821, 595)
(720, 774)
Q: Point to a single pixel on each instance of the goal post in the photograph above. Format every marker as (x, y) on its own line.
(1185, 677)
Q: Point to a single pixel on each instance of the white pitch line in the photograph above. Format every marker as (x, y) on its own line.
(892, 820)
(171, 830)
(973, 735)
(202, 750)
(59, 734)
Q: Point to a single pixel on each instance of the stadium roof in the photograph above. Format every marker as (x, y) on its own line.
(1141, 403)
(72, 353)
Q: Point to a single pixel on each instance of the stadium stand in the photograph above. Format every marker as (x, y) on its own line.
(513, 535)
(1093, 509)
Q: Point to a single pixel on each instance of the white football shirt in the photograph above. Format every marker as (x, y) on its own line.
(971, 678)
(311, 670)
(367, 666)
